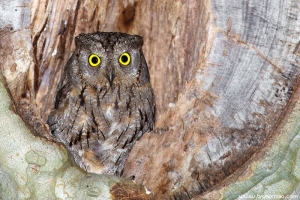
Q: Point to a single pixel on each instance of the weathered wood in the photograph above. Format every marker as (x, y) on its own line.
(231, 105)
(223, 75)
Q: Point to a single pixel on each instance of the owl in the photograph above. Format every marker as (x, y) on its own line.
(104, 101)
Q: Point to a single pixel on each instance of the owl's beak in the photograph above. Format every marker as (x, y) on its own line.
(110, 75)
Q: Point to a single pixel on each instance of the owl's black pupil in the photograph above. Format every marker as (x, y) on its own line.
(94, 60)
(124, 59)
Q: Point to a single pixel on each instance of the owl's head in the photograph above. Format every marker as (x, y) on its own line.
(109, 59)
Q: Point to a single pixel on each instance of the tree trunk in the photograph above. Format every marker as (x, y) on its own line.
(224, 75)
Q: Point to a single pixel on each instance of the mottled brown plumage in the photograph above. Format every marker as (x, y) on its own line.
(100, 111)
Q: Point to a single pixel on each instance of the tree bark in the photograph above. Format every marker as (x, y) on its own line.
(224, 74)
(33, 167)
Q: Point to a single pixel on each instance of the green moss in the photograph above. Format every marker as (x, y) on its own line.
(278, 172)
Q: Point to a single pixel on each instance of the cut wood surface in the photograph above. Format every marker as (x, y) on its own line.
(224, 75)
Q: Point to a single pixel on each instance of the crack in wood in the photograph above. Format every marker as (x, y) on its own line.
(251, 46)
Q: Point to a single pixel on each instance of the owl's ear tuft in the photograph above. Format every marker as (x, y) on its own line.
(139, 40)
(78, 41)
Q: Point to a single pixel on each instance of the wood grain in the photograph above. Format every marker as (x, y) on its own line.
(232, 104)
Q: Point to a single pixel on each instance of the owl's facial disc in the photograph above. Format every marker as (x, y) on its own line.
(110, 74)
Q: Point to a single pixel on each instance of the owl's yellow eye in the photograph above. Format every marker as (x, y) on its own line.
(94, 60)
(124, 59)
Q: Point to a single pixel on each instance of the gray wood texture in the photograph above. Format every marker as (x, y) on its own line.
(232, 103)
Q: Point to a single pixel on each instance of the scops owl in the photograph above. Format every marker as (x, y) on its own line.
(104, 101)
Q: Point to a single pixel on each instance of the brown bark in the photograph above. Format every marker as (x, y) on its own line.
(222, 73)
(168, 30)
